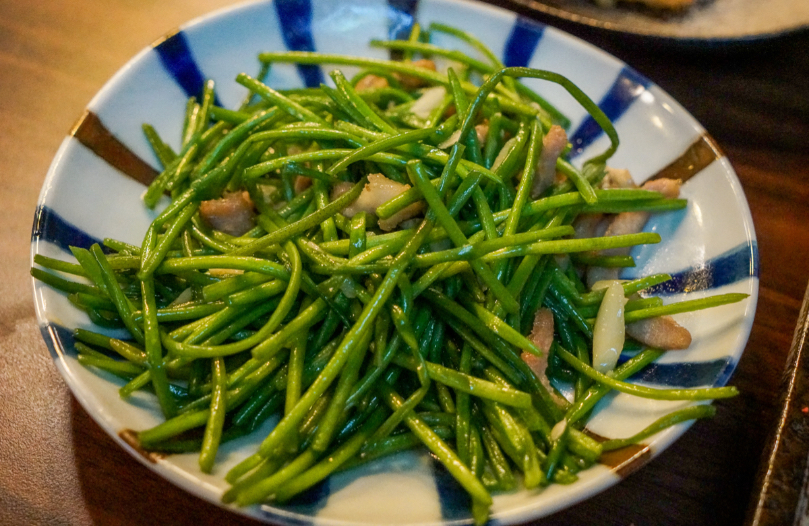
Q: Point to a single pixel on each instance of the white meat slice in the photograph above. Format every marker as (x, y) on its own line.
(370, 82)
(617, 178)
(669, 188)
(542, 331)
(232, 214)
(662, 332)
(482, 131)
(377, 191)
(553, 144)
(409, 82)
(301, 183)
(587, 225)
(542, 336)
(628, 222)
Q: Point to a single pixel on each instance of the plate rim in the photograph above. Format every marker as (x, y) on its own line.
(195, 487)
(536, 7)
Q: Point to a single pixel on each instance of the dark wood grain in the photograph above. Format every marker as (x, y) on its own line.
(60, 468)
(782, 472)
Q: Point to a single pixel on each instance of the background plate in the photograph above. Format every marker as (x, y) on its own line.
(92, 192)
(707, 22)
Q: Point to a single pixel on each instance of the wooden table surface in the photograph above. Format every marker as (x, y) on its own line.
(58, 467)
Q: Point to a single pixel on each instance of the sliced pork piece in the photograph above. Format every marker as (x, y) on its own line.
(379, 190)
(633, 222)
(622, 224)
(409, 82)
(617, 178)
(669, 188)
(538, 366)
(301, 183)
(662, 332)
(295, 149)
(370, 82)
(339, 189)
(232, 214)
(628, 222)
(588, 225)
(553, 144)
(542, 331)
(482, 131)
(541, 336)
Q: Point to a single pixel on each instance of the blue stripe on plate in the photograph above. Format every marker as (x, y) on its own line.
(309, 502)
(277, 517)
(177, 58)
(724, 375)
(50, 226)
(522, 42)
(313, 498)
(295, 19)
(454, 501)
(401, 18)
(628, 86)
(686, 374)
(58, 339)
(734, 265)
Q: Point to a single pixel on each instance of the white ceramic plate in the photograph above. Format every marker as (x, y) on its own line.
(704, 23)
(91, 192)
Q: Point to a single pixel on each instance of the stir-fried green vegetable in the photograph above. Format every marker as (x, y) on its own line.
(377, 329)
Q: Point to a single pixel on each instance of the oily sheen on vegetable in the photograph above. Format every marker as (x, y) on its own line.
(403, 259)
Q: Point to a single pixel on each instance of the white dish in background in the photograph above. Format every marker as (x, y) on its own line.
(704, 23)
(710, 245)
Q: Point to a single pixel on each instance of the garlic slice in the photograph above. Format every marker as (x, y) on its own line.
(609, 331)
(451, 140)
(503, 153)
(605, 284)
(184, 297)
(429, 100)
(558, 430)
